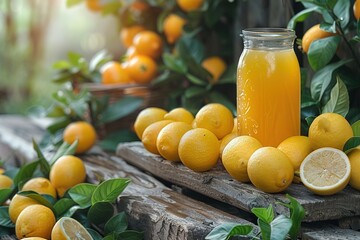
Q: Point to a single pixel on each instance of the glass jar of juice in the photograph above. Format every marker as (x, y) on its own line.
(268, 86)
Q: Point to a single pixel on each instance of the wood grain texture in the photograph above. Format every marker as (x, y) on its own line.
(220, 186)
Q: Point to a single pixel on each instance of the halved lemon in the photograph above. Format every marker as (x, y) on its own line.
(68, 228)
(325, 171)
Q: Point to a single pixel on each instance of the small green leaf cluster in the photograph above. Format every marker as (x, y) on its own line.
(334, 62)
(270, 227)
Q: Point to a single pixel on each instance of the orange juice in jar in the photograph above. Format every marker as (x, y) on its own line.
(268, 86)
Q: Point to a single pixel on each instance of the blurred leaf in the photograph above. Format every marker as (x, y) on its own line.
(58, 123)
(112, 140)
(229, 76)
(327, 27)
(75, 59)
(217, 97)
(5, 220)
(131, 235)
(99, 59)
(280, 227)
(341, 10)
(63, 205)
(95, 235)
(112, 7)
(339, 100)
(193, 48)
(195, 91)
(109, 190)
(322, 51)
(44, 164)
(162, 78)
(301, 16)
(227, 230)
(117, 224)
(213, 13)
(26, 172)
(310, 119)
(195, 80)
(64, 149)
(82, 193)
(100, 212)
(350, 144)
(174, 63)
(70, 3)
(356, 128)
(5, 193)
(61, 65)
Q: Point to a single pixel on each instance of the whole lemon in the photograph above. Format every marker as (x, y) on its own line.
(180, 114)
(146, 117)
(151, 133)
(329, 130)
(17, 204)
(40, 185)
(270, 170)
(66, 172)
(225, 140)
(82, 131)
(354, 157)
(216, 66)
(5, 182)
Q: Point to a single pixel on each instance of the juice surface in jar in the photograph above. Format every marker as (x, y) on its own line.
(268, 93)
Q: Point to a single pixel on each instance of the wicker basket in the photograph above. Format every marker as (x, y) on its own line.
(153, 97)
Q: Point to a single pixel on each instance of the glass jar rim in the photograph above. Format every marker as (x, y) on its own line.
(268, 33)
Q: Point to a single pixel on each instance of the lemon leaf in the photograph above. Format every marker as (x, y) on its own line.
(227, 230)
(63, 205)
(117, 223)
(131, 235)
(44, 164)
(64, 149)
(265, 214)
(109, 190)
(321, 51)
(280, 227)
(100, 212)
(351, 144)
(95, 235)
(5, 220)
(81, 194)
(301, 16)
(25, 173)
(356, 128)
(339, 99)
(5, 194)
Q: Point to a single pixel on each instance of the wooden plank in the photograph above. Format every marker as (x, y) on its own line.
(331, 234)
(220, 186)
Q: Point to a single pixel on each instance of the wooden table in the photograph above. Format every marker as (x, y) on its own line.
(168, 201)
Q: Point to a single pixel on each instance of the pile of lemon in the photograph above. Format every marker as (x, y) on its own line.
(200, 141)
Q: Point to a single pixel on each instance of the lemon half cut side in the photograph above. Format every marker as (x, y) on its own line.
(325, 171)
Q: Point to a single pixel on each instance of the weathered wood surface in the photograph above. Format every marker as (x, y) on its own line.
(220, 186)
(159, 211)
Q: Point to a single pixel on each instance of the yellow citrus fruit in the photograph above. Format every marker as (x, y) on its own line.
(180, 114)
(5, 182)
(270, 170)
(312, 34)
(199, 149)
(236, 156)
(127, 34)
(354, 157)
(325, 171)
(168, 140)
(151, 133)
(94, 5)
(66, 172)
(225, 140)
(148, 43)
(40, 185)
(235, 128)
(214, 65)
(2, 171)
(329, 130)
(296, 148)
(189, 5)
(142, 69)
(356, 9)
(82, 131)
(146, 117)
(35, 221)
(215, 117)
(34, 238)
(17, 204)
(173, 27)
(114, 73)
(69, 228)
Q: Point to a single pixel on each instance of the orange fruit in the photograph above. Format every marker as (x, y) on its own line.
(148, 43)
(130, 52)
(312, 34)
(151, 133)
(127, 34)
(35, 221)
(94, 5)
(17, 204)
(69, 228)
(356, 9)
(146, 117)
(189, 5)
(216, 66)
(142, 69)
(82, 131)
(5, 182)
(199, 149)
(66, 172)
(180, 114)
(173, 27)
(40, 185)
(114, 73)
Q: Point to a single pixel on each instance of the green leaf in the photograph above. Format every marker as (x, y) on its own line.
(195, 50)
(6, 232)
(227, 230)
(356, 128)
(121, 108)
(280, 227)
(117, 224)
(321, 51)
(82, 193)
(58, 123)
(130, 235)
(265, 229)
(62, 206)
(5, 220)
(301, 16)
(310, 119)
(195, 80)
(39, 198)
(61, 65)
(328, 27)
(5, 194)
(109, 190)
(71, 211)
(64, 149)
(70, 3)
(44, 164)
(195, 91)
(341, 10)
(75, 58)
(95, 235)
(111, 141)
(110, 237)
(175, 64)
(339, 100)
(218, 97)
(100, 212)
(99, 59)
(26, 172)
(229, 76)
(322, 79)
(265, 214)
(351, 144)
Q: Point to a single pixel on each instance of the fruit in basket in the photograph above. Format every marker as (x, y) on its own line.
(236, 156)
(180, 114)
(142, 69)
(325, 171)
(215, 117)
(168, 140)
(69, 228)
(150, 134)
(130, 52)
(313, 34)
(329, 130)
(354, 157)
(216, 66)
(356, 9)
(148, 43)
(35, 221)
(199, 149)
(270, 170)
(296, 148)
(82, 131)
(173, 27)
(225, 140)
(115, 73)
(146, 117)
(189, 5)
(5, 182)
(17, 204)
(66, 172)
(127, 34)
(40, 185)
